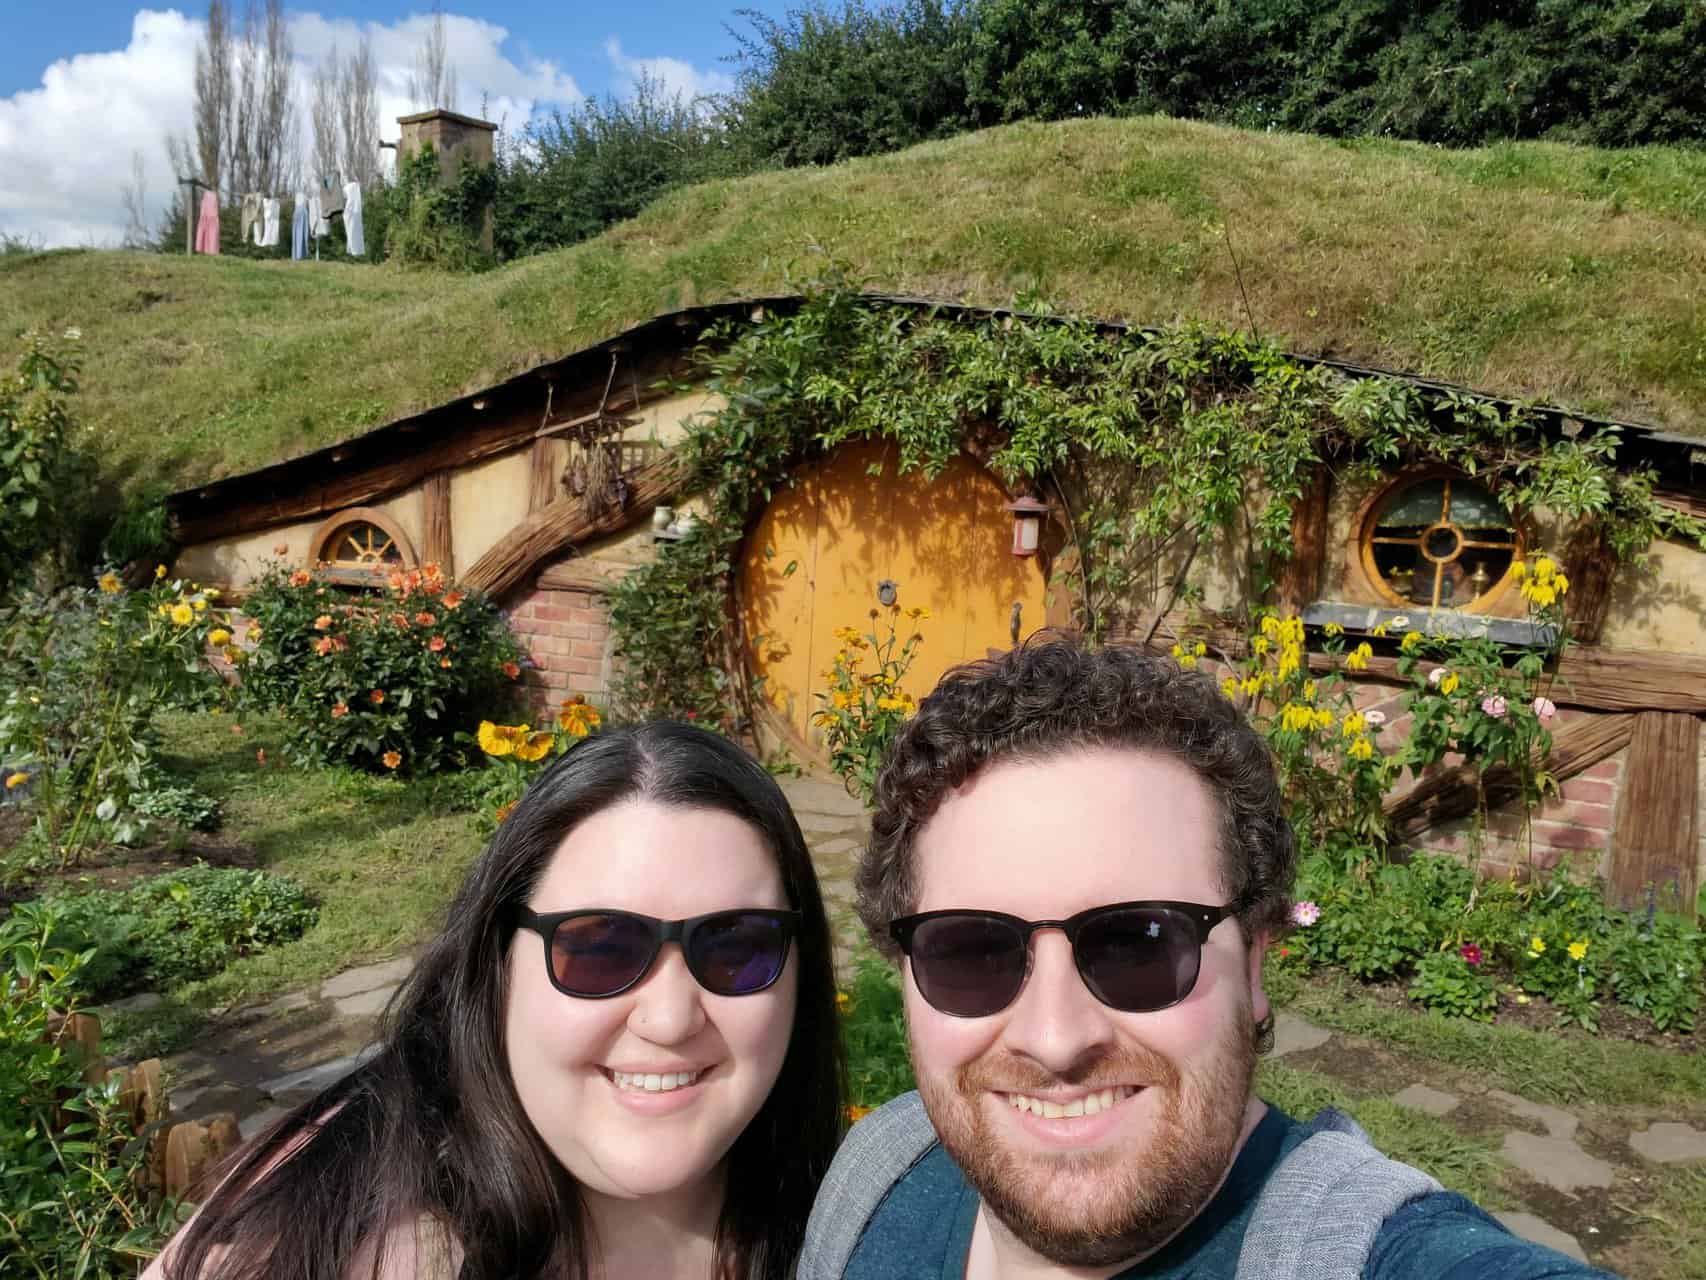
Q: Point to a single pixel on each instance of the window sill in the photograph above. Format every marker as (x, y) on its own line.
(1362, 619)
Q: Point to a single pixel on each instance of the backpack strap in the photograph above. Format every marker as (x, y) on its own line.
(878, 1152)
(1318, 1215)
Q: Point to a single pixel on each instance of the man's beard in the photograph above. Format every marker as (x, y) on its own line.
(1099, 1208)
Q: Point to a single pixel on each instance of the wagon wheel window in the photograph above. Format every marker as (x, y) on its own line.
(362, 545)
(1440, 542)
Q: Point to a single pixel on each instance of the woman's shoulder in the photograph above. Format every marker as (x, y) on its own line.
(421, 1248)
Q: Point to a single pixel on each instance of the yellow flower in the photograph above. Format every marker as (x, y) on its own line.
(1411, 640)
(1379, 631)
(218, 636)
(1291, 661)
(1201, 650)
(1536, 945)
(843, 700)
(1333, 629)
(1449, 682)
(918, 613)
(1323, 718)
(1355, 725)
(1518, 569)
(1259, 646)
(856, 1113)
(495, 739)
(1252, 685)
(1357, 658)
(159, 572)
(16, 780)
(535, 747)
(1184, 659)
(1229, 686)
(200, 605)
(1361, 749)
(1578, 950)
(1544, 567)
(109, 583)
(1309, 690)
(1297, 718)
(1561, 583)
(182, 614)
(843, 1001)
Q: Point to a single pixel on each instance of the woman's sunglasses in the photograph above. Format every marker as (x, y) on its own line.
(597, 953)
(1134, 956)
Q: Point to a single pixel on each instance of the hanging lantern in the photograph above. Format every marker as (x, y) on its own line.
(1028, 513)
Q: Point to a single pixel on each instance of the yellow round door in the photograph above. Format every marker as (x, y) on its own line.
(823, 549)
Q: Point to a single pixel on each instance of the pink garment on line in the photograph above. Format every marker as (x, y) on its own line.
(207, 225)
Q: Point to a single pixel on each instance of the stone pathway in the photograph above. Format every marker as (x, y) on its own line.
(261, 1060)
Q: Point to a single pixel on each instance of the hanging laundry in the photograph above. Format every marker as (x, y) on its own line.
(331, 197)
(299, 228)
(352, 219)
(317, 219)
(207, 224)
(269, 223)
(249, 224)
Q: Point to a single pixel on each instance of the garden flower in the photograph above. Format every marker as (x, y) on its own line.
(512, 671)
(436, 644)
(1357, 658)
(1333, 629)
(392, 759)
(452, 599)
(1355, 725)
(1471, 953)
(182, 614)
(918, 613)
(425, 619)
(1410, 641)
(340, 709)
(1436, 675)
(159, 572)
(1578, 951)
(300, 578)
(1361, 749)
(323, 645)
(856, 1113)
(1229, 687)
(1379, 632)
(1536, 946)
(1495, 706)
(1305, 913)
(376, 697)
(1450, 683)
(1545, 709)
(503, 811)
(16, 780)
(843, 1001)
(1375, 718)
(218, 636)
(109, 583)
(401, 620)
(1323, 718)
(1258, 646)
(233, 654)
(200, 605)
(445, 663)
(536, 746)
(495, 739)
(323, 622)
(1183, 658)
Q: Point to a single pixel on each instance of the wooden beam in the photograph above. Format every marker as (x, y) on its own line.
(1451, 793)
(1593, 567)
(547, 531)
(1300, 583)
(1655, 840)
(435, 522)
(542, 483)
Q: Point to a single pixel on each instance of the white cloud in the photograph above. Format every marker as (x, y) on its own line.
(673, 74)
(66, 148)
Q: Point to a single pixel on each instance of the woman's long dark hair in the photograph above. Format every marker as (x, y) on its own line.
(431, 1129)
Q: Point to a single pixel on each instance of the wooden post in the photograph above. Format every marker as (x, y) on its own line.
(1591, 565)
(435, 522)
(1300, 583)
(1654, 843)
(542, 488)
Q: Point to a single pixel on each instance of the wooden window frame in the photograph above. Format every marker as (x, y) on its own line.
(1484, 604)
(346, 575)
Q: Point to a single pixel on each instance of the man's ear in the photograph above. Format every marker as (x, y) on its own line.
(1258, 995)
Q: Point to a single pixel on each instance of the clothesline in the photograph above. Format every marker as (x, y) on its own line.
(260, 221)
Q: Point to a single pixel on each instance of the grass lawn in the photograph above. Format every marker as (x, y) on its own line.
(1563, 273)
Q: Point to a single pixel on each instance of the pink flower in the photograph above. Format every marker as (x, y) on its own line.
(1305, 913)
(1495, 706)
(1435, 676)
(1545, 708)
(1471, 954)
(1374, 717)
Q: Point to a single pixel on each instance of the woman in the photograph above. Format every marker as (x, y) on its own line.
(620, 1058)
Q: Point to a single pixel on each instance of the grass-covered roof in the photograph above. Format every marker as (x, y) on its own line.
(1566, 274)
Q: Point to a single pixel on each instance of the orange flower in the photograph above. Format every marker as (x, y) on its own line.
(445, 663)
(340, 709)
(425, 619)
(504, 811)
(323, 622)
(396, 580)
(430, 570)
(323, 645)
(376, 697)
(511, 670)
(436, 644)
(300, 578)
(452, 599)
(856, 1113)
(401, 619)
(392, 759)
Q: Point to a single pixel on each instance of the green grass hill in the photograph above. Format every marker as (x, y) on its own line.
(1567, 274)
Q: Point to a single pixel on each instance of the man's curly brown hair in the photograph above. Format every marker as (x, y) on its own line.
(1052, 696)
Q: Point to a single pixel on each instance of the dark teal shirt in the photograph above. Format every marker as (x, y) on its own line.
(923, 1230)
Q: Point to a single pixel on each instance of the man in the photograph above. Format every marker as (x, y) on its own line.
(1079, 859)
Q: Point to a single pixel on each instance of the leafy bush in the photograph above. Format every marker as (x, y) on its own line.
(864, 710)
(380, 681)
(82, 673)
(72, 1199)
(438, 224)
(40, 472)
(873, 1027)
(1448, 982)
(177, 927)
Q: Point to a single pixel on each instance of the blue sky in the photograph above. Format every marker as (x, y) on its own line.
(86, 100)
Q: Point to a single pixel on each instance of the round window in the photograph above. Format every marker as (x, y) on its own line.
(361, 545)
(1440, 542)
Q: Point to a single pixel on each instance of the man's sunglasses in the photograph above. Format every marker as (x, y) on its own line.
(1134, 956)
(597, 953)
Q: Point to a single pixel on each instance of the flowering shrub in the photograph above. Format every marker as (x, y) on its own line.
(381, 681)
(864, 709)
(1333, 773)
(81, 674)
(515, 753)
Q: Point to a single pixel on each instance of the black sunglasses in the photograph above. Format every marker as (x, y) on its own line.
(597, 953)
(1134, 956)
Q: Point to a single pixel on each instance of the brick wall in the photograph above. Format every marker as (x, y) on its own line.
(567, 634)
